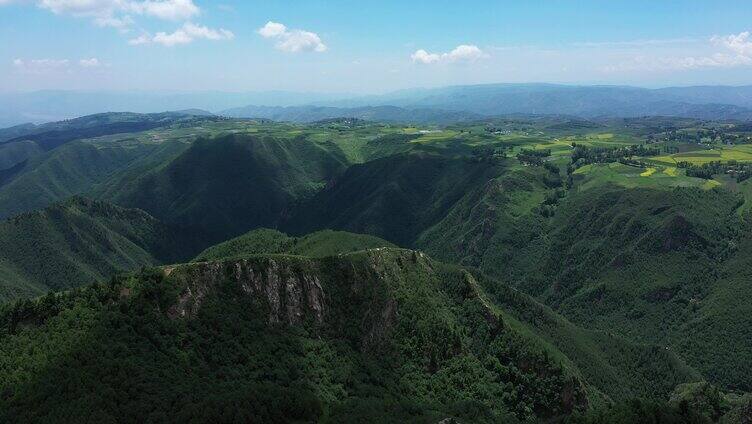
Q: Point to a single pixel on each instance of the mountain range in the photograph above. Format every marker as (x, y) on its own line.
(428, 105)
(190, 266)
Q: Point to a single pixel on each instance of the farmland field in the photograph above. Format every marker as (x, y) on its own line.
(594, 175)
(742, 153)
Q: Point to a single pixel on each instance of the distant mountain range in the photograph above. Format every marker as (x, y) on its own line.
(431, 105)
(55, 105)
(370, 113)
(721, 102)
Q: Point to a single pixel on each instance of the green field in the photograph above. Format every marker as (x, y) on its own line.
(594, 175)
(742, 153)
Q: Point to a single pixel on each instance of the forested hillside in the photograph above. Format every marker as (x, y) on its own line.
(224, 187)
(383, 334)
(81, 241)
(579, 265)
(375, 212)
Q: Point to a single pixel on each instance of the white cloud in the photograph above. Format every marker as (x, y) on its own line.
(80, 7)
(116, 9)
(41, 66)
(292, 41)
(721, 52)
(141, 39)
(272, 29)
(48, 63)
(461, 53)
(739, 43)
(186, 34)
(423, 56)
(89, 63)
(173, 10)
(296, 41)
(121, 14)
(464, 52)
(172, 39)
(112, 22)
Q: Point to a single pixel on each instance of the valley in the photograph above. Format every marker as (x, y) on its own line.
(554, 268)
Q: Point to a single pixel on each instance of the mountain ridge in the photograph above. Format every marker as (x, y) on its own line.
(732, 102)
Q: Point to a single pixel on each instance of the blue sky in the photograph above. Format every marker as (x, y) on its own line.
(368, 46)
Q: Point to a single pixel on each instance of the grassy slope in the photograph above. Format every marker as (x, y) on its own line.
(266, 241)
(658, 292)
(641, 258)
(55, 134)
(76, 242)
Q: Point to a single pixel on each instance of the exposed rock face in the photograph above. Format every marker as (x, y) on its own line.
(286, 292)
(380, 326)
(384, 302)
(291, 290)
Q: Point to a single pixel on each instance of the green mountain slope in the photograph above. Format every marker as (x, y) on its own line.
(610, 362)
(266, 241)
(15, 153)
(645, 279)
(715, 337)
(644, 262)
(490, 225)
(55, 134)
(394, 197)
(225, 186)
(638, 262)
(15, 131)
(383, 335)
(79, 241)
(75, 168)
(665, 267)
(89, 155)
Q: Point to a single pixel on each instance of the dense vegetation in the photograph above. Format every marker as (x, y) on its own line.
(266, 241)
(739, 171)
(583, 155)
(384, 335)
(73, 169)
(419, 336)
(591, 353)
(603, 262)
(394, 198)
(81, 241)
(224, 187)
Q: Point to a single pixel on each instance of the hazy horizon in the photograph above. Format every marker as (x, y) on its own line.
(345, 93)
